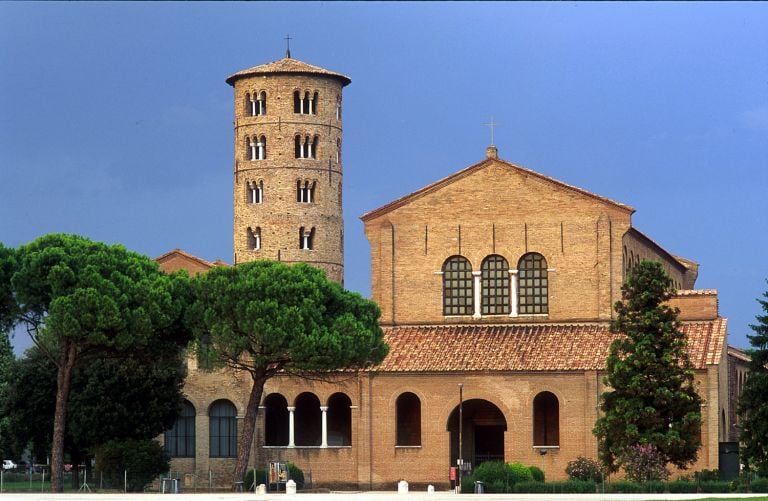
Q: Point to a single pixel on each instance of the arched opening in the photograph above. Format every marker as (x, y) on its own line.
(339, 420)
(494, 280)
(275, 420)
(533, 285)
(546, 420)
(180, 440)
(308, 420)
(482, 432)
(408, 419)
(458, 292)
(223, 429)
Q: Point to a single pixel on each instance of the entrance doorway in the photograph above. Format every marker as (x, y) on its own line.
(482, 433)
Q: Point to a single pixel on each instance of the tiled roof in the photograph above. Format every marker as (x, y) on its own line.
(287, 65)
(178, 252)
(739, 353)
(552, 347)
(469, 170)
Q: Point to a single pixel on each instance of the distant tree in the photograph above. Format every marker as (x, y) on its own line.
(267, 317)
(652, 398)
(82, 300)
(753, 410)
(6, 365)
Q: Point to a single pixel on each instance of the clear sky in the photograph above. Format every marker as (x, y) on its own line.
(116, 123)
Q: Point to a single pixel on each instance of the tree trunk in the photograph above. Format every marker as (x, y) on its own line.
(63, 381)
(249, 426)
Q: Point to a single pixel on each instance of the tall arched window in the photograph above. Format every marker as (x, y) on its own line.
(275, 420)
(308, 420)
(180, 440)
(261, 148)
(306, 238)
(546, 420)
(495, 285)
(408, 410)
(261, 104)
(223, 429)
(533, 284)
(457, 286)
(254, 192)
(339, 420)
(305, 191)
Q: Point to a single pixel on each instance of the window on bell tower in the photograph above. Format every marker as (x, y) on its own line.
(305, 147)
(305, 191)
(254, 238)
(256, 103)
(305, 103)
(257, 148)
(306, 238)
(255, 192)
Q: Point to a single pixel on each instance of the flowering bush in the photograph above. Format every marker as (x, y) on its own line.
(644, 463)
(584, 469)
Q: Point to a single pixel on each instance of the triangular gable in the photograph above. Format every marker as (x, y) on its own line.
(471, 170)
(177, 259)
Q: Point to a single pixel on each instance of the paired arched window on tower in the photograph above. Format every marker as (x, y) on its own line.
(306, 238)
(256, 103)
(254, 238)
(305, 146)
(254, 192)
(256, 147)
(305, 103)
(524, 291)
(305, 191)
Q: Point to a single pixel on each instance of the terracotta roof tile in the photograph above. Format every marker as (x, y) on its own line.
(287, 66)
(555, 347)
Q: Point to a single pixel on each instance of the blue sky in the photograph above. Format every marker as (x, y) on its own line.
(116, 123)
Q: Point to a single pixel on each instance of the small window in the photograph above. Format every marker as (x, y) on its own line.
(546, 420)
(306, 238)
(223, 429)
(305, 103)
(408, 410)
(180, 440)
(305, 191)
(254, 238)
(338, 150)
(458, 288)
(533, 286)
(495, 285)
(257, 148)
(338, 108)
(261, 104)
(255, 192)
(306, 146)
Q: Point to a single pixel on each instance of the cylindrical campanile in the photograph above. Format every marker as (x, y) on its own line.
(288, 174)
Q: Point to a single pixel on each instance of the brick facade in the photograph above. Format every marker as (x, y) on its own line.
(506, 363)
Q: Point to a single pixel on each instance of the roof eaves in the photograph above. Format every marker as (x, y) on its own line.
(185, 254)
(643, 236)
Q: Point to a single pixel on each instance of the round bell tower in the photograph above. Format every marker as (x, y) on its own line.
(288, 165)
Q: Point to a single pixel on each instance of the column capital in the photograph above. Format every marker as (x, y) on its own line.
(323, 408)
(477, 273)
(513, 272)
(291, 408)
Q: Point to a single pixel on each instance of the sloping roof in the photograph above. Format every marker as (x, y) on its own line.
(287, 65)
(550, 347)
(471, 169)
(642, 236)
(739, 353)
(179, 259)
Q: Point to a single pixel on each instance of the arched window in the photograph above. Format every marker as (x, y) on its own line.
(275, 420)
(495, 285)
(305, 191)
(338, 107)
(457, 286)
(306, 238)
(180, 440)
(532, 285)
(248, 104)
(305, 103)
(339, 420)
(338, 150)
(255, 192)
(305, 147)
(254, 238)
(223, 429)
(408, 410)
(546, 420)
(308, 420)
(261, 104)
(261, 148)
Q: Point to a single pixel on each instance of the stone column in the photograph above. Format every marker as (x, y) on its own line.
(291, 434)
(513, 285)
(478, 293)
(324, 439)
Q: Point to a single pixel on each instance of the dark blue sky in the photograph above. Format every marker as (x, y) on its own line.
(116, 123)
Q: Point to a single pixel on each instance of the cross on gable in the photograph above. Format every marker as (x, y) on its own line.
(492, 125)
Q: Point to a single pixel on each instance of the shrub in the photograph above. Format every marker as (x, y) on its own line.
(759, 485)
(518, 472)
(623, 487)
(494, 474)
(296, 474)
(715, 486)
(584, 469)
(143, 459)
(707, 475)
(574, 487)
(654, 486)
(536, 473)
(468, 484)
(643, 463)
(533, 487)
(681, 486)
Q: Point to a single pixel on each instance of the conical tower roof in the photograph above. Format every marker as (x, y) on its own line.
(287, 66)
